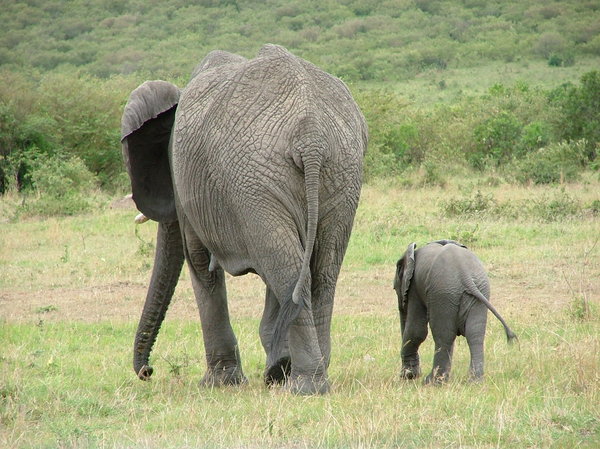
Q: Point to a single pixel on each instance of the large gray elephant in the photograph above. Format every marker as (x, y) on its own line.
(255, 166)
(443, 284)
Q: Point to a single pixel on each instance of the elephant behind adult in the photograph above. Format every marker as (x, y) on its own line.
(255, 167)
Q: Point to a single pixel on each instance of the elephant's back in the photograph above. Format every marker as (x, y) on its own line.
(240, 128)
(453, 266)
(251, 110)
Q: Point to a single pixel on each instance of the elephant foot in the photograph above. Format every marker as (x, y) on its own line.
(145, 372)
(410, 372)
(217, 377)
(307, 385)
(277, 373)
(476, 372)
(436, 378)
(476, 378)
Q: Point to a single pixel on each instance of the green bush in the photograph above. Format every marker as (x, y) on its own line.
(535, 135)
(580, 107)
(88, 123)
(554, 208)
(60, 187)
(21, 140)
(389, 136)
(559, 162)
(58, 178)
(473, 205)
(496, 140)
(433, 174)
(594, 207)
(401, 142)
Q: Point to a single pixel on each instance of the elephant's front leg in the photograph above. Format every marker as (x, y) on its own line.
(414, 332)
(222, 354)
(278, 365)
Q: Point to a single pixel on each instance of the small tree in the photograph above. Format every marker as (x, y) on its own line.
(581, 111)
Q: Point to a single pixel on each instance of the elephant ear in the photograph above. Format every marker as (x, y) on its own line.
(404, 276)
(146, 128)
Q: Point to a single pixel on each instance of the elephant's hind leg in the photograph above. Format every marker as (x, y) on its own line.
(278, 365)
(475, 335)
(444, 334)
(442, 361)
(221, 347)
(308, 373)
(309, 368)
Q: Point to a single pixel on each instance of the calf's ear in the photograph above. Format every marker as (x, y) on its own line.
(405, 268)
(146, 127)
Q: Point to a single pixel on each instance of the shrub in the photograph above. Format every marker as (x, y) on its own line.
(58, 178)
(496, 140)
(433, 174)
(60, 187)
(389, 138)
(594, 207)
(580, 111)
(554, 208)
(560, 162)
(550, 43)
(401, 142)
(473, 205)
(88, 123)
(535, 135)
(21, 140)
(565, 60)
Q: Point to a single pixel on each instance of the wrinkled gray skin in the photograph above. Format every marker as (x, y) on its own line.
(444, 284)
(255, 166)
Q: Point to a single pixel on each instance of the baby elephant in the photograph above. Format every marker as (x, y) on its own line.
(444, 284)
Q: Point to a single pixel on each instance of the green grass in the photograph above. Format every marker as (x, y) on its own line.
(72, 289)
(70, 385)
(452, 85)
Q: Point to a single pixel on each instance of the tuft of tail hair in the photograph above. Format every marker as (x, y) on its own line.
(288, 312)
(511, 337)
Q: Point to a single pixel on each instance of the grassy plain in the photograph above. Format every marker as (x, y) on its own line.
(451, 85)
(72, 289)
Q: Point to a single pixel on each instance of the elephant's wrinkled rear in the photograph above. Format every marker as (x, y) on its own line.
(265, 157)
(445, 285)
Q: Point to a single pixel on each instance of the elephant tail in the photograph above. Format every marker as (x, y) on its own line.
(301, 296)
(474, 291)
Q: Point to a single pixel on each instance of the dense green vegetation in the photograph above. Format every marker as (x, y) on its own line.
(511, 88)
(386, 40)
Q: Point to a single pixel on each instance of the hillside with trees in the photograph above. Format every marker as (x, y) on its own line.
(358, 40)
(510, 86)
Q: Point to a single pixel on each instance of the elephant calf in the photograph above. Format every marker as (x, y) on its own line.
(444, 284)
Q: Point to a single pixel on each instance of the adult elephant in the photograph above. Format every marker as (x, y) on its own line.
(255, 166)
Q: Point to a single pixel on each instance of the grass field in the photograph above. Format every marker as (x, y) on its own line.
(451, 85)
(72, 289)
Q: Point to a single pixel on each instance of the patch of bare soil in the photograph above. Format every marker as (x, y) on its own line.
(359, 293)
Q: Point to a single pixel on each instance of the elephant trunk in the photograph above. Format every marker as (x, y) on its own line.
(168, 262)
